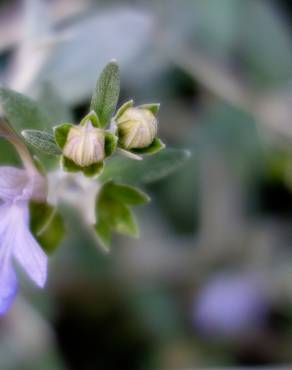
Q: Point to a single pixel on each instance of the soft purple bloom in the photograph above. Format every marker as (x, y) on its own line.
(17, 188)
(230, 304)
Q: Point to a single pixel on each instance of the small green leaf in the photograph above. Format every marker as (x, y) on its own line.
(46, 225)
(153, 148)
(93, 170)
(123, 108)
(153, 107)
(61, 132)
(151, 169)
(126, 194)
(118, 217)
(113, 212)
(106, 93)
(22, 112)
(103, 233)
(110, 143)
(41, 140)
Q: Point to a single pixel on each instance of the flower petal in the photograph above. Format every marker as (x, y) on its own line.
(12, 182)
(8, 286)
(8, 283)
(27, 251)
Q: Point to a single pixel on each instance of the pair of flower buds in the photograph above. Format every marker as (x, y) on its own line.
(132, 132)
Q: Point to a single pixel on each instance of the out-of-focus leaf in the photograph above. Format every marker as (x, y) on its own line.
(106, 94)
(118, 216)
(234, 134)
(103, 233)
(265, 45)
(22, 112)
(8, 154)
(126, 194)
(127, 33)
(41, 140)
(149, 170)
(47, 226)
(53, 104)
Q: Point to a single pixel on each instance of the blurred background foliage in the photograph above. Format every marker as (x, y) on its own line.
(209, 284)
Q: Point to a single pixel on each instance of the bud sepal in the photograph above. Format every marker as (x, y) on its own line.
(153, 148)
(93, 170)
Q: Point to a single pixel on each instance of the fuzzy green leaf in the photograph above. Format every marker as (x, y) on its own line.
(150, 169)
(46, 225)
(41, 140)
(106, 93)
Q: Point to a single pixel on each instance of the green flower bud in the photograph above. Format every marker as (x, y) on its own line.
(137, 128)
(85, 144)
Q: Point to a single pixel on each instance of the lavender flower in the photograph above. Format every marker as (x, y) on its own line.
(17, 188)
(230, 304)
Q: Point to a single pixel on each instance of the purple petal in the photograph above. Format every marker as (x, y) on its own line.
(8, 286)
(27, 251)
(8, 283)
(12, 182)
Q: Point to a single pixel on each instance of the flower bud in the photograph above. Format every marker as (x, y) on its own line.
(137, 128)
(85, 145)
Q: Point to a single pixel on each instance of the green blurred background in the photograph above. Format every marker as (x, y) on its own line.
(209, 283)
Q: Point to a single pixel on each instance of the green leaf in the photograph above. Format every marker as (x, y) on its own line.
(153, 107)
(46, 225)
(93, 170)
(110, 143)
(149, 170)
(41, 140)
(103, 233)
(126, 194)
(153, 148)
(113, 212)
(22, 112)
(61, 132)
(123, 108)
(118, 217)
(106, 93)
